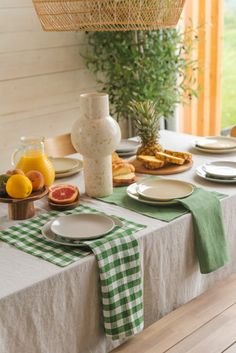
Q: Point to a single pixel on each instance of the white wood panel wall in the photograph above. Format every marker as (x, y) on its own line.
(41, 77)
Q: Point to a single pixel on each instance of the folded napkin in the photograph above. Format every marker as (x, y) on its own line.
(167, 213)
(118, 259)
(210, 242)
(209, 235)
(121, 286)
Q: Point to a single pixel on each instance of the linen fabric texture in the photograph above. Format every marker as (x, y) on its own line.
(118, 260)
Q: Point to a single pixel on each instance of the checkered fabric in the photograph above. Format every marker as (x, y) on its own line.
(118, 260)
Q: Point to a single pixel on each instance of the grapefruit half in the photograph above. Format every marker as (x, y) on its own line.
(63, 194)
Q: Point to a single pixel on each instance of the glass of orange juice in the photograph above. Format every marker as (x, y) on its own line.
(31, 156)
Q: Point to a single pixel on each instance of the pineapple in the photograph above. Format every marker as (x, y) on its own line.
(146, 121)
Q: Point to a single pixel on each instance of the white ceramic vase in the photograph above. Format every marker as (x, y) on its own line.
(96, 135)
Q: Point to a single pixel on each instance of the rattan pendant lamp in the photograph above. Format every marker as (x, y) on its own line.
(107, 15)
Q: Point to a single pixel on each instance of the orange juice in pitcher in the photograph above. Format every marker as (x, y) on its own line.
(31, 156)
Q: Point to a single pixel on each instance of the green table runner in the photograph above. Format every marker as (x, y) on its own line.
(118, 260)
(210, 242)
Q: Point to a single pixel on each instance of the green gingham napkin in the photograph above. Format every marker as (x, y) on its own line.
(120, 277)
(118, 260)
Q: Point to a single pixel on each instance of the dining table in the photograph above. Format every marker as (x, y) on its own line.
(45, 308)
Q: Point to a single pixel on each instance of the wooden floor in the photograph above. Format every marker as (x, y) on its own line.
(206, 324)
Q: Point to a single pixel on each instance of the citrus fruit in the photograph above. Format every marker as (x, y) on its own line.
(63, 194)
(18, 186)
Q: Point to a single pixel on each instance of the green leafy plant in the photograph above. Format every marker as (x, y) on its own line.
(140, 66)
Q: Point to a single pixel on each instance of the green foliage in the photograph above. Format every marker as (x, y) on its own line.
(140, 66)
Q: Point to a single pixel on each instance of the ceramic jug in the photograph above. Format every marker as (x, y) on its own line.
(96, 135)
(30, 156)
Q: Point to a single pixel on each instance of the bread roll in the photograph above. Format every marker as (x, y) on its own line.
(124, 179)
(122, 168)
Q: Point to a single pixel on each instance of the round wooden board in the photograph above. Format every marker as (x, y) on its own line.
(65, 207)
(36, 195)
(166, 170)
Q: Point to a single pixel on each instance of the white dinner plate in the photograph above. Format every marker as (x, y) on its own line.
(206, 150)
(216, 143)
(67, 174)
(127, 154)
(65, 164)
(82, 226)
(132, 193)
(164, 189)
(52, 237)
(201, 173)
(220, 169)
(127, 146)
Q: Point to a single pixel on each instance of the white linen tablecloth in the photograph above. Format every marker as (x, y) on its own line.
(48, 309)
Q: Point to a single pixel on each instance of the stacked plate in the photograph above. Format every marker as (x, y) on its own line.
(159, 191)
(70, 230)
(127, 148)
(65, 167)
(218, 171)
(216, 144)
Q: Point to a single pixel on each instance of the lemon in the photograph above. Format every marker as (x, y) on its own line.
(18, 186)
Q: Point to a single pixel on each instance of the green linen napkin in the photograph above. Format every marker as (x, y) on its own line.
(210, 242)
(209, 235)
(118, 259)
(167, 213)
(164, 213)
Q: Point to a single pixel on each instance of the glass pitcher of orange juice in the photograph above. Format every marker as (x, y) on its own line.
(31, 156)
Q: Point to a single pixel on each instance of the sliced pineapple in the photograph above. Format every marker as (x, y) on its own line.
(169, 159)
(187, 156)
(151, 162)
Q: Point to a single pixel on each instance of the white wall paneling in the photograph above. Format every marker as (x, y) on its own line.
(41, 77)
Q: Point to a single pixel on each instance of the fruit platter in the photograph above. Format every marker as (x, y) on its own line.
(20, 190)
(151, 157)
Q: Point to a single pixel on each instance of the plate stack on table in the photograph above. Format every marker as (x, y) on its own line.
(216, 144)
(72, 229)
(65, 167)
(218, 171)
(127, 148)
(160, 192)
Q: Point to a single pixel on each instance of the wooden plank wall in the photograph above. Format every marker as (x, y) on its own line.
(203, 115)
(41, 77)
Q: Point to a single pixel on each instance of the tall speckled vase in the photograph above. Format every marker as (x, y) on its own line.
(96, 135)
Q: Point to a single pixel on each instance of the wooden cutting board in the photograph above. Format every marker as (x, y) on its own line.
(166, 170)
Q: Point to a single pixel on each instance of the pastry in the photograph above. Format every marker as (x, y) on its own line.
(116, 158)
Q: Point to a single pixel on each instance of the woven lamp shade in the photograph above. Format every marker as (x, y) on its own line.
(107, 15)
